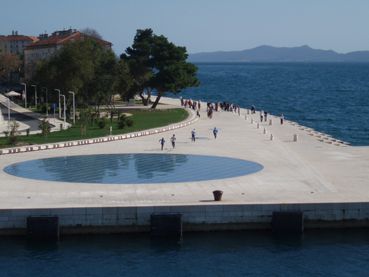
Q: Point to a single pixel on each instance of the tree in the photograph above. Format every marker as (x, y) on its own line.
(85, 67)
(84, 119)
(123, 84)
(172, 72)
(8, 63)
(91, 32)
(45, 127)
(138, 59)
(158, 65)
(102, 84)
(13, 133)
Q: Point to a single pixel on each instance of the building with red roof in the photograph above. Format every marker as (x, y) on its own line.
(46, 46)
(15, 43)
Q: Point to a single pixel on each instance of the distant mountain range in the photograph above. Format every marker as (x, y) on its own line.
(267, 53)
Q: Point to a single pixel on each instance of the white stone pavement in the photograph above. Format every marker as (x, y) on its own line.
(23, 127)
(315, 169)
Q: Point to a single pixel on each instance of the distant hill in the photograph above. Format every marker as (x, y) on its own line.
(280, 54)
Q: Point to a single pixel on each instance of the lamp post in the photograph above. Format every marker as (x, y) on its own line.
(25, 94)
(58, 90)
(35, 86)
(64, 113)
(47, 104)
(8, 113)
(74, 106)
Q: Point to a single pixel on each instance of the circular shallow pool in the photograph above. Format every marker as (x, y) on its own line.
(133, 168)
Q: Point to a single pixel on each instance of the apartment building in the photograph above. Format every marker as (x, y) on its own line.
(47, 45)
(15, 43)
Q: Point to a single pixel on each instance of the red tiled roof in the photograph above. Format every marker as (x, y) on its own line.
(57, 40)
(16, 38)
(34, 39)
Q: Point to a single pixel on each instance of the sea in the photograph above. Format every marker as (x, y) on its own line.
(252, 253)
(331, 98)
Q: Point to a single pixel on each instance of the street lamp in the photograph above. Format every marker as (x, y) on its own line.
(35, 86)
(62, 95)
(25, 94)
(8, 113)
(74, 106)
(47, 104)
(58, 90)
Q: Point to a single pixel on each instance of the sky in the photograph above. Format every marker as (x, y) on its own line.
(201, 25)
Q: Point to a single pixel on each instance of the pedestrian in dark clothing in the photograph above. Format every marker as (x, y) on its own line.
(215, 132)
(193, 135)
(162, 141)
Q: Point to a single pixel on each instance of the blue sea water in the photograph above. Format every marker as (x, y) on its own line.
(316, 253)
(330, 97)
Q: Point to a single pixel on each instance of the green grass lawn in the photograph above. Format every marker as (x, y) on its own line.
(142, 119)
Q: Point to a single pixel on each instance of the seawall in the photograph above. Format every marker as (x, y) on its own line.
(96, 220)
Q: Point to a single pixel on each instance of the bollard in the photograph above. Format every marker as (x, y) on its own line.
(248, 111)
(295, 137)
(270, 122)
(265, 131)
(217, 195)
(258, 126)
(271, 137)
(245, 117)
(252, 121)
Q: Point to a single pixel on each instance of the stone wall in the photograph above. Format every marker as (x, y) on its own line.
(196, 217)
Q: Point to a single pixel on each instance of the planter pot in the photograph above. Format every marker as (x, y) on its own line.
(217, 195)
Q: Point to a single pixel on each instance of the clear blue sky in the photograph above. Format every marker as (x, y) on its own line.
(201, 25)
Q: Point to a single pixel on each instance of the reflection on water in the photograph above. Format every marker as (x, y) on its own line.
(149, 166)
(133, 168)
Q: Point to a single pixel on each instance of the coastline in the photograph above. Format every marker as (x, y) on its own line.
(326, 181)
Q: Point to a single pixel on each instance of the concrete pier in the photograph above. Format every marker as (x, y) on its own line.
(322, 177)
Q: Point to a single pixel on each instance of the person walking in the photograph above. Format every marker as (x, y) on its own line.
(193, 135)
(215, 132)
(162, 141)
(282, 119)
(173, 141)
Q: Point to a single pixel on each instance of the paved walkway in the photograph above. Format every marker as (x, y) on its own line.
(314, 169)
(32, 123)
(26, 118)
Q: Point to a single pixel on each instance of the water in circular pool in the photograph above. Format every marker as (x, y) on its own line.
(133, 168)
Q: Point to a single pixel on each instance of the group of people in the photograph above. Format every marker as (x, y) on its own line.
(172, 140)
(210, 107)
(264, 115)
(193, 138)
(230, 107)
(189, 103)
